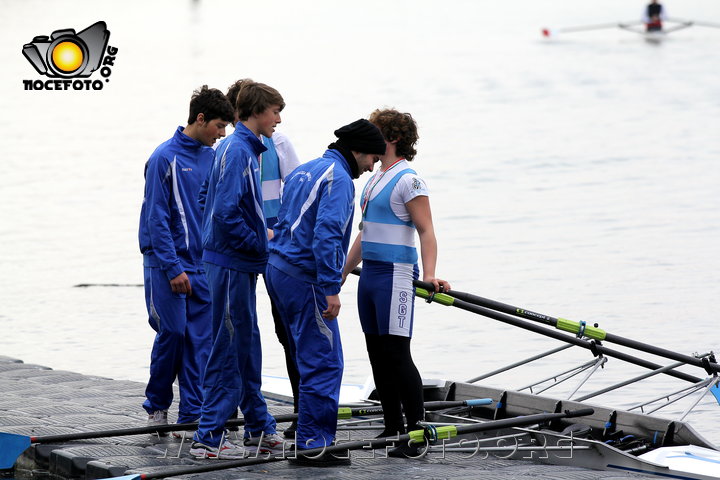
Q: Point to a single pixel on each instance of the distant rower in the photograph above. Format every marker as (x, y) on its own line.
(654, 16)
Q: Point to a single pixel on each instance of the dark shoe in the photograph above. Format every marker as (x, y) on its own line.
(291, 430)
(405, 450)
(327, 459)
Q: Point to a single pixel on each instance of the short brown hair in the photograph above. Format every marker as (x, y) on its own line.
(249, 97)
(397, 127)
(212, 103)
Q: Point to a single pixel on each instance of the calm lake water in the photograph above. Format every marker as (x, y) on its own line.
(575, 176)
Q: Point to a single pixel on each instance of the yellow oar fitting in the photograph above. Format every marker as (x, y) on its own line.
(433, 433)
(579, 329)
(440, 298)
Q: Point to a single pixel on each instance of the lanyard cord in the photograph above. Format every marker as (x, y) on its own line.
(375, 180)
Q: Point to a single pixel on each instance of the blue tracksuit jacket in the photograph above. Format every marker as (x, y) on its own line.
(234, 231)
(313, 230)
(170, 218)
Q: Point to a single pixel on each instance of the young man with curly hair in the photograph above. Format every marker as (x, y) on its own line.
(394, 205)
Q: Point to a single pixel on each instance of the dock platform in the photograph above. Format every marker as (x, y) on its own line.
(39, 401)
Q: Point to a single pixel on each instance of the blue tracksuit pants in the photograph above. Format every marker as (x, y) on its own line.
(182, 343)
(233, 371)
(316, 344)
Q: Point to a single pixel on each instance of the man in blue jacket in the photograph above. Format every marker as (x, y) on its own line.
(235, 251)
(275, 164)
(304, 274)
(176, 291)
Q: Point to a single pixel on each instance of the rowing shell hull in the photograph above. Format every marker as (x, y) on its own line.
(564, 450)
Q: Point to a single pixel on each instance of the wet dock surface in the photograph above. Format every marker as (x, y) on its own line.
(38, 401)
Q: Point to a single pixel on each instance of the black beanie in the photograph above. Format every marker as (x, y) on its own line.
(361, 136)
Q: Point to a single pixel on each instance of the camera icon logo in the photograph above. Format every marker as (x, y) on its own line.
(67, 54)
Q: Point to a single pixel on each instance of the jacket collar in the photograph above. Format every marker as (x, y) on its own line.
(249, 137)
(187, 141)
(335, 155)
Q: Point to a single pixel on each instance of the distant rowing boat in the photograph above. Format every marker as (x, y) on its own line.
(655, 36)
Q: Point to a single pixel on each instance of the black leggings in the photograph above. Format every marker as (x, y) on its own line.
(292, 370)
(397, 381)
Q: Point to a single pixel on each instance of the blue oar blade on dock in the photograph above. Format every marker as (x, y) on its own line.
(127, 477)
(715, 390)
(11, 447)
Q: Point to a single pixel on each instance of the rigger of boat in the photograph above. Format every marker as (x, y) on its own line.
(609, 439)
(518, 424)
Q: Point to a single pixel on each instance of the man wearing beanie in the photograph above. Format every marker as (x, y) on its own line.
(304, 274)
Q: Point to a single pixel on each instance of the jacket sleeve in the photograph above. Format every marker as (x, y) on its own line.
(202, 194)
(334, 212)
(158, 194)
(227, 214)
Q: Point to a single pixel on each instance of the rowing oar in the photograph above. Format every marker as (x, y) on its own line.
(492, 309)
(415, 436)
(580, 329)
(694, 22)
(547, 32)
(13, 445)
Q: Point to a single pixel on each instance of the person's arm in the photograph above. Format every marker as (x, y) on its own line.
(421, 216)
(202, 194)
(287, 157)
(354, 257)
(227, 214)
(333, 217)
(157, 197)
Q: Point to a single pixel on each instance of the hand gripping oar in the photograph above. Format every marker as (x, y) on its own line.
(415, 436)
(13, 445)
(497, 311)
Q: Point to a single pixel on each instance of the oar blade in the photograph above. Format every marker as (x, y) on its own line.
(11, 447)
(127, 477)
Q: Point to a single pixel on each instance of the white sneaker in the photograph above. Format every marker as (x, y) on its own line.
(226, 450)
(186, 434)
(158, 417)
(265, 443)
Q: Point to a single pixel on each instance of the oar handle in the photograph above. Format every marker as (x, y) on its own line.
(449, 431)
(415, 436)
(346, 412)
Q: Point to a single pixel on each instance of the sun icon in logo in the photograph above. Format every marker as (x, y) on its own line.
(67, 56)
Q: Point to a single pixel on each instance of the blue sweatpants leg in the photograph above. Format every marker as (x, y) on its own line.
(252, 403)
(167, 316)
(318, 353)
(198, 341)
(233, 368)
